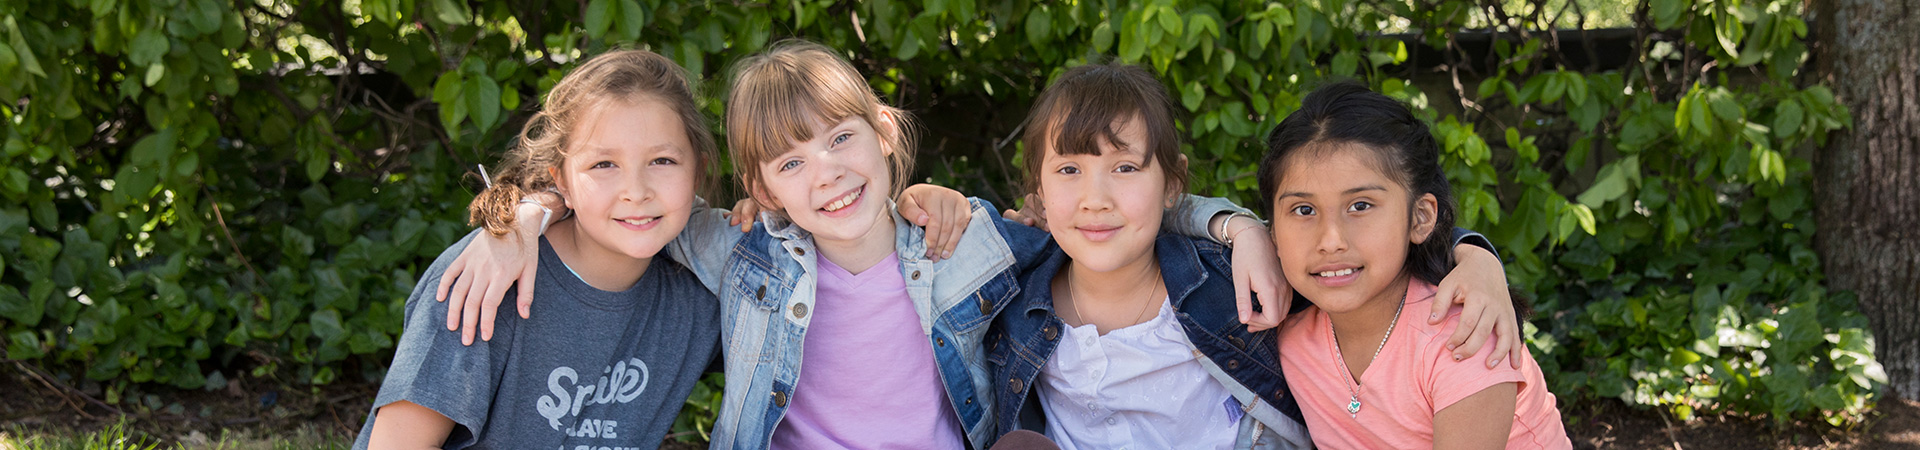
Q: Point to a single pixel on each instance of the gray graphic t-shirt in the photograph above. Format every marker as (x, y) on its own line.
(590, 370)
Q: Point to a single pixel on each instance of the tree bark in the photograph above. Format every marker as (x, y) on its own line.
(1867, 179)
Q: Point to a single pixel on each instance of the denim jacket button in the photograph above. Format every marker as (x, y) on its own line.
(1017, 386)
(760, 294)
(940, 341)
(800, 251)
(780, 399)
(1237, 342)
(985, 306)
(916, 275)
(1051, 333)
(1233, 364)
(799, 310)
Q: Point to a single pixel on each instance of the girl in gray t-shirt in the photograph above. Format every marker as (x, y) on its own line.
(620, 338)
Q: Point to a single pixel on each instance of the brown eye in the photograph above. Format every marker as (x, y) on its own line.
(1302, 210)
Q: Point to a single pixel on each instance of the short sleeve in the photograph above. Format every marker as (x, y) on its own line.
(433, 369)
(1450, 381)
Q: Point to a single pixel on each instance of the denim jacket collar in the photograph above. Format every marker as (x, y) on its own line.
(908, 240)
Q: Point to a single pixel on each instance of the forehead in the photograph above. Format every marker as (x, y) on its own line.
(1333, 167)
(644, 123)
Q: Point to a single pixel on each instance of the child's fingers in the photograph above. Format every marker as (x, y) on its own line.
(1502, 344)
(932, 240)
(1516, 347)
(469, 317)
(458, 297)
(1242, 299)
(1469, 320)
(524, 298)
(490, 305)
(1481, 330)
(960, 212)
(1271, 311)
(1451, 293)
(447, 278)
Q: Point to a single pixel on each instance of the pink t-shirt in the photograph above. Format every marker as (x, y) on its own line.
(1413, 378)
(867, 378)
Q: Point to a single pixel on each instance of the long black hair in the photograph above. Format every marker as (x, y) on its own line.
(1348, 115)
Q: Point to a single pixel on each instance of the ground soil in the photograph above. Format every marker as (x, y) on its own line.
(29, 405)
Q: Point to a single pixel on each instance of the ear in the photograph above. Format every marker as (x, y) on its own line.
(889, 129)
(1426, 211)
(559, 184)
(1173, 191)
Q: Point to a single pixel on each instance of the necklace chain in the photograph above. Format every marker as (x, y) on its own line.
(1353, 402)
(1074, 296)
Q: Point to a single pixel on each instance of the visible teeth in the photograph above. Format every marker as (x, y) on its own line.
(641, 221)
(835, 206)
(1336, 273)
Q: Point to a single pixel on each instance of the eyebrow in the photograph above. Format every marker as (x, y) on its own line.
(1356, 190)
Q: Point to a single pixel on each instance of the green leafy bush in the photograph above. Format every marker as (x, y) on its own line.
(251, 189)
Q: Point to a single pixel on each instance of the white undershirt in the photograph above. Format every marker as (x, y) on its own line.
(1137, 387)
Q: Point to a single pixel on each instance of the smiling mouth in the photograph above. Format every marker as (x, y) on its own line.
(639, 222)
(845, 200)
(1337, 273)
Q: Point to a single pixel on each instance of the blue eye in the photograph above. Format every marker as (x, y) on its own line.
(1302, 210)
(602, 165)
(843, 137)
(1360, 206)
(789, 165)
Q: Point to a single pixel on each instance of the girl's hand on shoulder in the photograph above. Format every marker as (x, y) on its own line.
(1257, 275)
(943, 212)
(1033, 214)
(479, 277)
(1479, 284)
(743, 214)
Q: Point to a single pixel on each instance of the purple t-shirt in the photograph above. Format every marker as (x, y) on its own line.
(868, 379)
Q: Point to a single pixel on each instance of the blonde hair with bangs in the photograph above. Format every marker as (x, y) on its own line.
(778, 94)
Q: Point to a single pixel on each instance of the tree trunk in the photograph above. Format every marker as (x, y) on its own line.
(1867, 179)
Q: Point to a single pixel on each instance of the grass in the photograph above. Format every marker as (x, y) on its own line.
(119, 436)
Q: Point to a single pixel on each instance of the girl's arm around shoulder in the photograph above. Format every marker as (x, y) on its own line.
(405, 425)
(702, 247)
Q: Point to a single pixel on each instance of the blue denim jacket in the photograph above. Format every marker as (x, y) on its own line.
(765, 280)
(1199, 280)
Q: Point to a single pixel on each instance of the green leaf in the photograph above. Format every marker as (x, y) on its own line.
(1556, 85)
(1344, 63)
(154, 72)
(19, 44)
(1609, 185)
(452, 12)
(1725, 107)
(147, 47)
(16, 181)
(1667, 13)
(1039, 27)
(1576, 87)
(153, 150)
(19, 308)
(1102, 38)
(1787, 117)
(326, 325)
(483, 101)
(1170, 21)
(599, 16)
(633, 19)
(24, 345)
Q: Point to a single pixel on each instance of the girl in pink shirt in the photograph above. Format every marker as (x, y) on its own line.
(1354, 186)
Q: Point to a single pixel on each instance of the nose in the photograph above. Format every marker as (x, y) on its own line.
(636, 190)
(826, 169)
(1096, 193)
(1333, 237)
